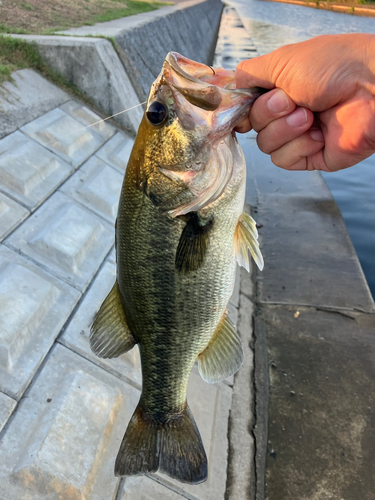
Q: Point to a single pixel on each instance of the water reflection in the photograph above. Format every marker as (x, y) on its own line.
(272, 24)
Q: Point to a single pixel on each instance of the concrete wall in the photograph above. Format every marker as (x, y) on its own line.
(189, 28)
(116, 81)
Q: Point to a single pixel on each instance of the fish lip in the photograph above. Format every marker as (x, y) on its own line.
(172, 59)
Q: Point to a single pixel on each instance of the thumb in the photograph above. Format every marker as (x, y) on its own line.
(256, 72)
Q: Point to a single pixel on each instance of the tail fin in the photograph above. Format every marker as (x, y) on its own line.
(174, 448)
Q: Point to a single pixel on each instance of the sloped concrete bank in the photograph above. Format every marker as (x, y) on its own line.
(119, 79)
(63, 411)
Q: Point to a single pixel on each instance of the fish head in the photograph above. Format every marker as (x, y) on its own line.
(190, 115)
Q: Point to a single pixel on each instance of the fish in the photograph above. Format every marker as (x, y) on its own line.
(181, 229)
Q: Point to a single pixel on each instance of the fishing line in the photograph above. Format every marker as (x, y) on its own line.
(95, 123)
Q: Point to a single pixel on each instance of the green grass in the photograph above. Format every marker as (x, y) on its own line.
(133, 7)
(16, 31)
(16, 53)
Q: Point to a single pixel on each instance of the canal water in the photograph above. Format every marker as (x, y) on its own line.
(272, 24)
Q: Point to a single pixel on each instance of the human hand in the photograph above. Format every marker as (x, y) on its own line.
(321, 115)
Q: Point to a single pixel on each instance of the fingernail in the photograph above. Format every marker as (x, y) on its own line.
(297, 118)
(317, 135)
(278, 102)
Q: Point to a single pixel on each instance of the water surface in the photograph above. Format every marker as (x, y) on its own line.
(271, 25)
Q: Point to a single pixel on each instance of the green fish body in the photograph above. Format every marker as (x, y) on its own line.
(180, 230)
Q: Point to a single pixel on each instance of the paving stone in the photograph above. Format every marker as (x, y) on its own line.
(210, 406)
(63, 441)
(116, 151)
(7, 406)
(321, 430)
(98, 186)
(88, 118)
(29, 172)
(34, 305)
(65, 136)
(11, 215)
(76, 335)
(65, 238)
(144, 488)
(27, 97)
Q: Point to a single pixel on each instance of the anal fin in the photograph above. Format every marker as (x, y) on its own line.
(193, 244)
(223, 356)
(110, 335)
(246, 240)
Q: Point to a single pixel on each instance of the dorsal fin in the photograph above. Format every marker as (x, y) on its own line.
(223, 356)
(110, 335)
(246, 240)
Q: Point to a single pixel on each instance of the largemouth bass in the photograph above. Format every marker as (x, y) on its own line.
(180, 230)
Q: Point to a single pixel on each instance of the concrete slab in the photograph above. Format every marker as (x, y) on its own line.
(144, 488)
(63, 440)
(64, 136)
(28, 172)
(93, 65)
(112, 256)
(116, 151)
(11, 215)
(7, 406)
(210, 405)
(34, 306)
(26, 98)
(76, 335)
(89, 119)
(97, 186)
(309, 257)
(66, 239)
(321, 437)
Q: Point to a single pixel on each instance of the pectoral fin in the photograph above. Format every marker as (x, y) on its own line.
(110, 335)
(193, 244)
(246, 240)
(223, 356)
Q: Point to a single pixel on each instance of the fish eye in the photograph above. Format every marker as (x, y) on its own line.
(156, 113)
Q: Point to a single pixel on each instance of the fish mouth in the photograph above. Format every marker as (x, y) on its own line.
(188, 75)
(209, 89)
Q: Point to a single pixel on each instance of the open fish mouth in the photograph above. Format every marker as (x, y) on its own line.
(203, 85)
(207, 104)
